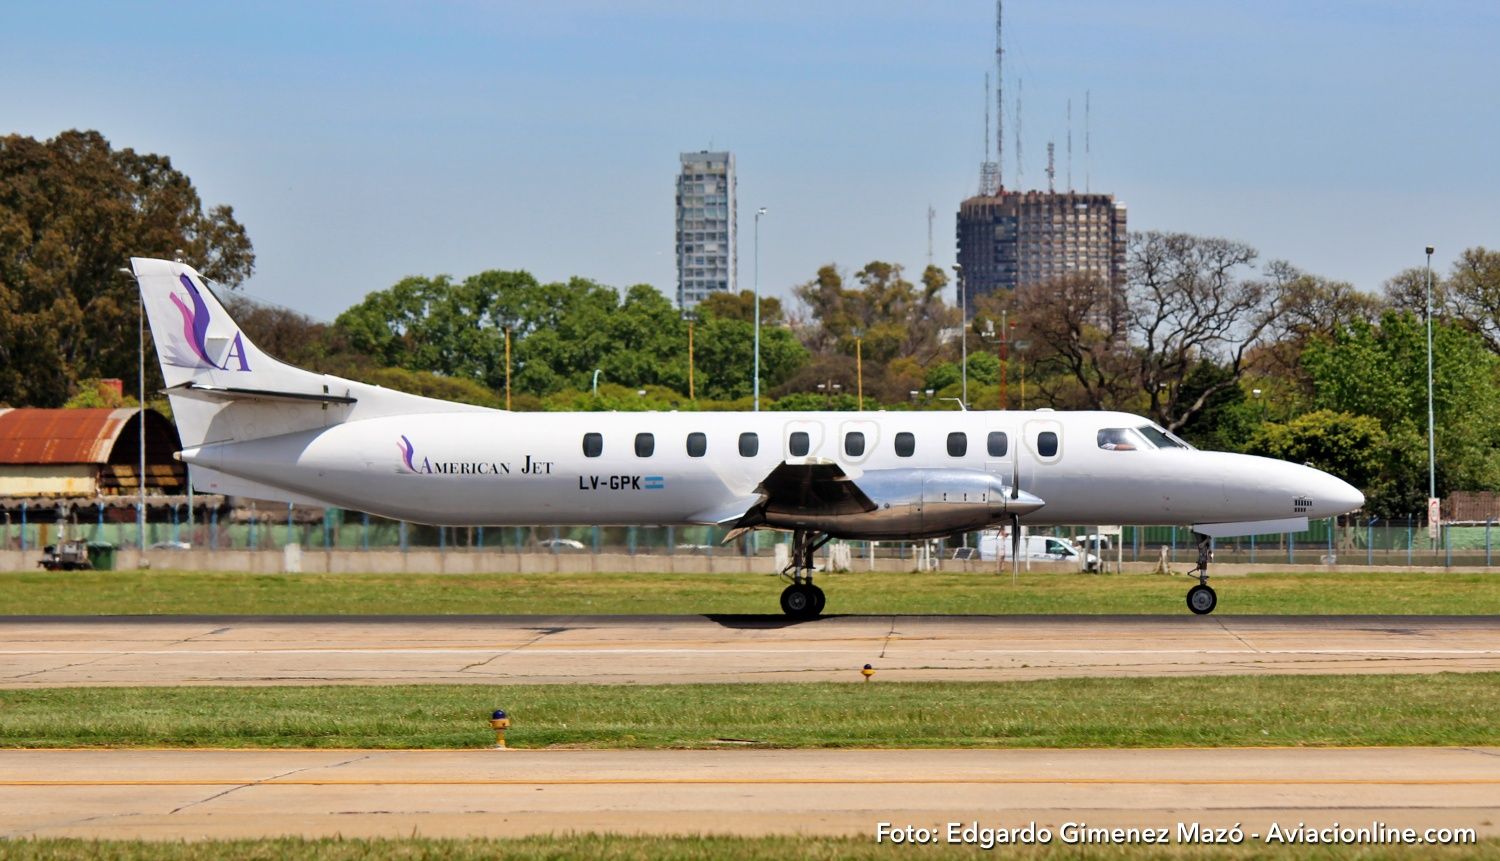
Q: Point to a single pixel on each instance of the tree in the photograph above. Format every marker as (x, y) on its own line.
(1380, 370)
(73, 210)
(1474, 293)
(741, 306)
(1352, 447)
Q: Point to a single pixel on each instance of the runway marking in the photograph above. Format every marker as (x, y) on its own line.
(772, 781)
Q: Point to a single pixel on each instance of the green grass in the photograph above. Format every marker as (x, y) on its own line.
(1356, 710)
(609, 847)
(203, 593)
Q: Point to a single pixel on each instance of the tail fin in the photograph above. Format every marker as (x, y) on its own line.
(224, 388)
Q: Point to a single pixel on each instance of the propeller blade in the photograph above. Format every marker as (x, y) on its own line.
(1015, 548)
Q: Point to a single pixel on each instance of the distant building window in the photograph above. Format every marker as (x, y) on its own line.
(749, 445)
(958, 444)
(997, 444)
(854, 444)
(906, 444)
(593, 444)
(697, 444)
(1046, 444)
(798, 443)
(645, 445)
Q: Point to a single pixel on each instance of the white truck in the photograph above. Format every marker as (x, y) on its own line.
(1036, 548)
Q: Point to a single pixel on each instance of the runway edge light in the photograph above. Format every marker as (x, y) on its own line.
(868, 672)
(500, 722)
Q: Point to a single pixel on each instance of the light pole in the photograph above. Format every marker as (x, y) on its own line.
(963, 334)
(596, 382)
(691, 318)
(859, 366)
(758, 214)
(1431, 445)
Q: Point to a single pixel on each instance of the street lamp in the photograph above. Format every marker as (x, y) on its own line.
(758, 214)
(1431, 446)
(859, 366)
(963, 333)
(691, 318)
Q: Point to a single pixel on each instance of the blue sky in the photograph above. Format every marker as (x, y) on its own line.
(360, 142)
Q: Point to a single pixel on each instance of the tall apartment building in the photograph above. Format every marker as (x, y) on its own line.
(1014, 239)
(707, 251)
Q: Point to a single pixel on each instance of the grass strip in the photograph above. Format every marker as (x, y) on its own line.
(1352, 710)
(608, 847)
(219, 593)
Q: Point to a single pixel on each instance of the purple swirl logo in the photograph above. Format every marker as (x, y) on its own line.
(191, 350)
(407, 450)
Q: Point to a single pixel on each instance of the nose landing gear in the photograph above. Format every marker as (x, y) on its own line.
(1201, 599)
(802, 599)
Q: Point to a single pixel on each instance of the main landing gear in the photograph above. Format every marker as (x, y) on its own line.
(803, 600)
(1201, 598)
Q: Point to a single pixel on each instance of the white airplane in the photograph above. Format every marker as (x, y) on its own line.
(254, 426)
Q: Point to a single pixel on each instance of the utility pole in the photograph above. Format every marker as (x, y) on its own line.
(758, 214)
(963, 333)
(507, 368)
(1433, 510)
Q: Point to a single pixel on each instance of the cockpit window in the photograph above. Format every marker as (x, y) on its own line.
(1119, 439)
(1160, 438)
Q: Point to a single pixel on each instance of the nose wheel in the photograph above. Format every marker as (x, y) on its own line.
(1201, 598)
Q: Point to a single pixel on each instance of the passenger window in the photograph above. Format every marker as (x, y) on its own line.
(906, 444)
(645, 445)
(958, 444)
(854, 444)
(798, 443)
(593, 444)
(1046, 444)
(697, 444)
(749, 445)
(1116, 439)
(997, 444)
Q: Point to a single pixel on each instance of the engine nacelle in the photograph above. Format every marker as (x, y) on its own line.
(915, 503)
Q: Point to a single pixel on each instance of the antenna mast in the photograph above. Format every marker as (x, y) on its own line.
(1070, 143)
(1051, 171)
(999, 94)
(1020, 85)
(989, 172)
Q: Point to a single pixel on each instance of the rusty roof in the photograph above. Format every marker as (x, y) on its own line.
(37, 436)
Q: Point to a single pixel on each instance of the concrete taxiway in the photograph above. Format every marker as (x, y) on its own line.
(198, 794)
(52, 651)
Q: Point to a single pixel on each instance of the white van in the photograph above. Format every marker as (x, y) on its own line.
(1036, 548)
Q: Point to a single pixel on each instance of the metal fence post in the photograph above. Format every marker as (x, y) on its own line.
(327, 534)
(1331, 553)
(1174, 544)
(480, 538)
(1252, 550)
(1291, 548)
(671, 540)
(364, 531)
(401, 530)
(23, 527)
(630, 540)
(1447, 545)
(1487, 525)
(442, 539)
(1408, 540)
(1370, 542)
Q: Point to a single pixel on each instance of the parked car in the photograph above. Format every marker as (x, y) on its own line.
(560, 544)
(1037, 548)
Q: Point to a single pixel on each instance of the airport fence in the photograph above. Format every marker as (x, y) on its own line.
(1345, 541)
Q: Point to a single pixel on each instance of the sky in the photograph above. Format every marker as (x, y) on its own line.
(361, 142)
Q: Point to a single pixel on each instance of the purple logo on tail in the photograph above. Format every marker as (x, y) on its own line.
(191, 351)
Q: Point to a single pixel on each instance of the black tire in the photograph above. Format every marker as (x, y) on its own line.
(798, 601)
(1202, 600)
(819, 600)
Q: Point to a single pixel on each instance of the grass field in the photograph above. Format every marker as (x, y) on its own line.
(1362, 710)
(190, 592)
(624, 848)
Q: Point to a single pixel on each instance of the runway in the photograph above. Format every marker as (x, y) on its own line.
(199, 794)
(82, 651)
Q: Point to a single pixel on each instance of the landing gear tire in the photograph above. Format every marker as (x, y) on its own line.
(801, 600)
(1200, 599)
(819, 600)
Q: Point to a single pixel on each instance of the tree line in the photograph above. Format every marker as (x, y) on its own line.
(1203, 336)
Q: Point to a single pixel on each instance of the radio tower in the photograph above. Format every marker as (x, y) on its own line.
(989, 172)
(999, 95)
(1051, 169)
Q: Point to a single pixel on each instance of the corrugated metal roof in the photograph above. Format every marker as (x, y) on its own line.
(60, 436)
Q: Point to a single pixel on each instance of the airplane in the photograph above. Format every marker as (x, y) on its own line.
(254, 426)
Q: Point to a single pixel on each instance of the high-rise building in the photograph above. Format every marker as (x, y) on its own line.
(1015, 239)
(707, 250)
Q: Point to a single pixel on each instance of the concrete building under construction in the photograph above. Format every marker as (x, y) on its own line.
(1014, 239)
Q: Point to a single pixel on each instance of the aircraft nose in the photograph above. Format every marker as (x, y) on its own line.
(1336, 496)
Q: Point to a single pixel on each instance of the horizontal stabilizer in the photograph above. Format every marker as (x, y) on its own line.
(206, 392)
(1251, 527)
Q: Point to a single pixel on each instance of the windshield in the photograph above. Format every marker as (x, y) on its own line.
(1161, 438)
(1120, 439)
